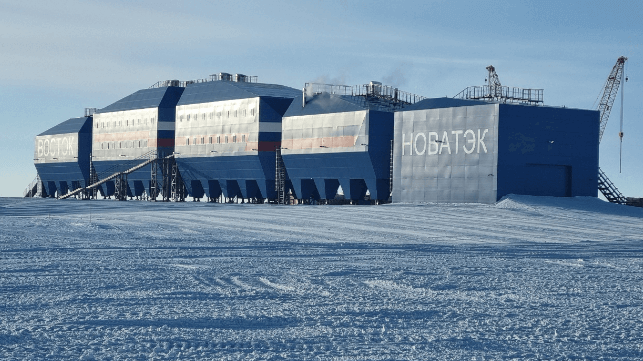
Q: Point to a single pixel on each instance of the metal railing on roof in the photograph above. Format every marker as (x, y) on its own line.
(373, 92)
(503, 94)
(239, 78)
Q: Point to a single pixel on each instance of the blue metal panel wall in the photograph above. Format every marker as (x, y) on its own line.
(547, 151)
(247, 176)
(325, 150)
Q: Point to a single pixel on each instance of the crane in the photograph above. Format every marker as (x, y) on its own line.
(612, 84)
(610, 90)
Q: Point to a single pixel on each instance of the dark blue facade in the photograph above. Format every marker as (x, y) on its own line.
(61, 155)
(251, 176)
(545, 151)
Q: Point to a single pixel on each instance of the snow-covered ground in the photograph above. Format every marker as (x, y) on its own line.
(527, 278)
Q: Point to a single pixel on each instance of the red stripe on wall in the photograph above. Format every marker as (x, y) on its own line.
(165, 142)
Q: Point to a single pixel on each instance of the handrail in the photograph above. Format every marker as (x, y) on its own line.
(117, 173)
(502, 94)
(214, 77)
(373, 94)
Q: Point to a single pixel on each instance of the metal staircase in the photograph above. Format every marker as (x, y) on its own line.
(34, 189)
(609, 190)
(120, 177)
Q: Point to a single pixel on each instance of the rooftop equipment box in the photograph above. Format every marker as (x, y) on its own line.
(461, 151)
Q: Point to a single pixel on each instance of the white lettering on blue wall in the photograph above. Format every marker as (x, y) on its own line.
(430, 143)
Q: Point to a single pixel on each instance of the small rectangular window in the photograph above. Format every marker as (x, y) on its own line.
(210, 140)
(243, 138)
(194, 142)
(235, 113)
(187, 141)
(226, 139)
(202, 140)
(234, 139)
(218, 139)
(228, 114)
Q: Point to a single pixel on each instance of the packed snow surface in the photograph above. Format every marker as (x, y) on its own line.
(526, 278)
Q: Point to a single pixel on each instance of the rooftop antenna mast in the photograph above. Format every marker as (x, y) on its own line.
(495, 88)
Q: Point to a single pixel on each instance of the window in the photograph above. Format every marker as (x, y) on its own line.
(96, 125)
(194, 142)
(234, 139)
(226, 139)
(203, 116)
(210, 140)
(244, 113)
(252, 111)
(188, 119)
(187, 141)
(120, 145)
(202, 140)
(152, 120)
(243, 138)
(102, 145)
(228, 114)
(107, 145)
(218, 139)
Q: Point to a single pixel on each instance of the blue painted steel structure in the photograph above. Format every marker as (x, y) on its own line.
(130, 128)
(226, 136)
(61, 156)
(453, 150)
(332, 140)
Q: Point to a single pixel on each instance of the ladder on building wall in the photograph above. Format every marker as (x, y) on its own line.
(609, 190)
(390, 177)
(280, 177)
(92, 193)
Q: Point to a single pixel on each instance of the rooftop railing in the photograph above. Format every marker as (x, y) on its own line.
(502, 94)
(387, 96)
(240, 78)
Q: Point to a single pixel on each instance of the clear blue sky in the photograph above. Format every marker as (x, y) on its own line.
(58, 57)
